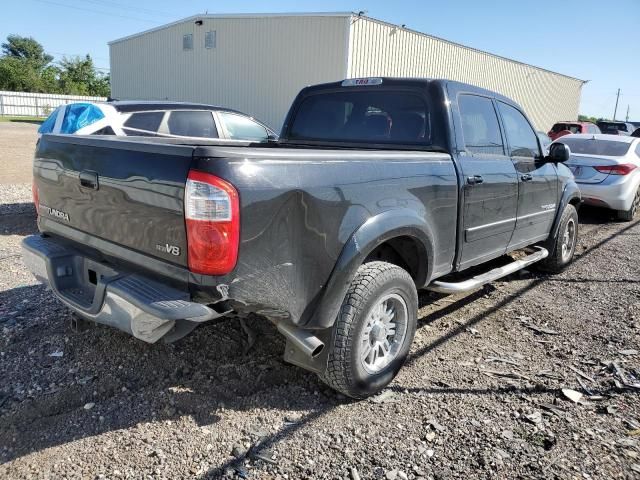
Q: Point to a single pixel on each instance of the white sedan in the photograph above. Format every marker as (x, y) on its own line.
(157, 119)
(607, 170)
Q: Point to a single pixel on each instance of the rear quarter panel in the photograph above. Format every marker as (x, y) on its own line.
(300, 207)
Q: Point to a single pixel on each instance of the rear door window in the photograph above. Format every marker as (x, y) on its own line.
(480, 126)
(239, 127)
(522, 139)
(147, 122)
(196, 123)
(371, 117)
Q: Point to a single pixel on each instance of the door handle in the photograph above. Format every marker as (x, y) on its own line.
(89, 180)
(475, 179)
(527, 177)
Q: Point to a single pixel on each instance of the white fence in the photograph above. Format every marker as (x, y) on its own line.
(23, 104)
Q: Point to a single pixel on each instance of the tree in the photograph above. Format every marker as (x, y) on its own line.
(79, 76)
(25, 67)
(585, 118)
(27, 49)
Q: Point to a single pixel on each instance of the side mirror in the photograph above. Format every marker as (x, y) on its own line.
(559, 153)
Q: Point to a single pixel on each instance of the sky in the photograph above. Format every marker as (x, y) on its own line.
(592, 40)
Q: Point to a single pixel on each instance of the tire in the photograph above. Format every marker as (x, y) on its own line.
(562, 247)
(379, 314)
(628, 215)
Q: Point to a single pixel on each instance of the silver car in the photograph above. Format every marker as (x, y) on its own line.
(607, 169)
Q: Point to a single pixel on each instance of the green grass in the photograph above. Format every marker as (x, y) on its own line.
(21, 119)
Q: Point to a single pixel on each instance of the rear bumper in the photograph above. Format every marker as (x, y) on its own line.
(137, 305)
(616, 193)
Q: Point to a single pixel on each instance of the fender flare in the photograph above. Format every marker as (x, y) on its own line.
(374, 232)
(571, 192)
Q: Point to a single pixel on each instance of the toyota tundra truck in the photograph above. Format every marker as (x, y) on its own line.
(377, 188)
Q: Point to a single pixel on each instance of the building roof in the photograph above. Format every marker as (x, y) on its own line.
(331, 14)
(233, 15)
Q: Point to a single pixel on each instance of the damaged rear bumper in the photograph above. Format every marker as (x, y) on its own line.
(146, 309)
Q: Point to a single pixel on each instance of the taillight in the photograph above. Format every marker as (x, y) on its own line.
(622, 169)
(212, 215)
(36, 196)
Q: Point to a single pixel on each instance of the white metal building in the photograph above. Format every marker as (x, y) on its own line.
(257, 63)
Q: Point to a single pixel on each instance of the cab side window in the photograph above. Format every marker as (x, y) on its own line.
(522, 138)
(480, 126)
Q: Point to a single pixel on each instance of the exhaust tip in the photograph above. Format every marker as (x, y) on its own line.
(317, 351)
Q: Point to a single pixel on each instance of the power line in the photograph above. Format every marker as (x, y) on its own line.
(95, 11)
(130, 7)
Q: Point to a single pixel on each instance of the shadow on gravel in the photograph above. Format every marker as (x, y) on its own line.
(17, 219)
(289, 430)
(134, 383)
(130, 382)
(590, 215)
(487, 312)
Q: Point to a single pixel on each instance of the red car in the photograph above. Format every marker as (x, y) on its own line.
(561, 129)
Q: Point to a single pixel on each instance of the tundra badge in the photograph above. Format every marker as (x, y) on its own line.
(55, 213)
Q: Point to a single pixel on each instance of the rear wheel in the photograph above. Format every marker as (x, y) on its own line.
(563, 246)
(628, 215)
(373, 331)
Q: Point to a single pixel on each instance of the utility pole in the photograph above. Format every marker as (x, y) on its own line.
(615, 110)
(627, 113)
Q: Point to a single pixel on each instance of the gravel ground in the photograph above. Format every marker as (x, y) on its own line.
(480, 397)
(17, 144)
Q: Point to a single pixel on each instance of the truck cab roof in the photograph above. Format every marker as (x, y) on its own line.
(415, 82)
(378, 112)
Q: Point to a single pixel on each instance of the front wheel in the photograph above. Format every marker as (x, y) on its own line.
(562, 247)
(373, 331)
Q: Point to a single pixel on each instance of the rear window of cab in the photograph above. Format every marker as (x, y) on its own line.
(363, 116)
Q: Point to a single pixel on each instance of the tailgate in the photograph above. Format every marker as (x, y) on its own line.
(125, 192)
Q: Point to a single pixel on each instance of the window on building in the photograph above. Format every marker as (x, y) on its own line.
(523, 141)
(187, 42)
(210, 39)
(243, 128)
(480, 127)
(195, 123)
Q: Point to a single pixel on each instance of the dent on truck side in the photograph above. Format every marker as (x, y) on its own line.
(309, 217)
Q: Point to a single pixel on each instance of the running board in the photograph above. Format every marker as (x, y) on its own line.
(490, 276)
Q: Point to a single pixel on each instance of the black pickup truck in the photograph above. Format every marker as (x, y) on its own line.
(377, 188)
